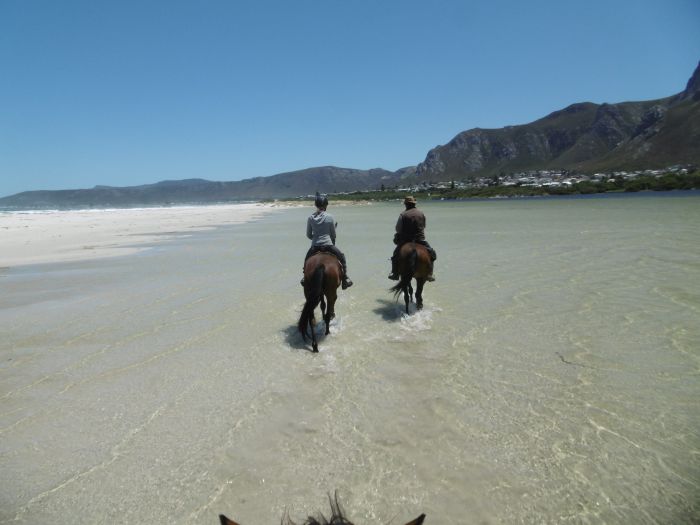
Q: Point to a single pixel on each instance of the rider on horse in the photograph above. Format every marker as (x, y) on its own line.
(410, 228)
(320, 228)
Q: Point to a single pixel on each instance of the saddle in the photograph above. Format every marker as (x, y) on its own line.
(323, 249)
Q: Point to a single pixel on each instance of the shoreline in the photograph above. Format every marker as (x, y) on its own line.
(51, 236)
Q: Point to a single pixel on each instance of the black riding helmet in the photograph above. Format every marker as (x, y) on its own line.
(321, 201)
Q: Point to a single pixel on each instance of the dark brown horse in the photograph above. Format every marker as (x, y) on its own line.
(322, 273)
(337, 518)
(414, 263)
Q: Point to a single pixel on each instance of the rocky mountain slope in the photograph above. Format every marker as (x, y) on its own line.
(585, 137)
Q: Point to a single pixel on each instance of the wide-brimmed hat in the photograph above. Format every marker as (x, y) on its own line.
(409, 199)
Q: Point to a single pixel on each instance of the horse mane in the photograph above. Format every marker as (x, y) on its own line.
(337, 516)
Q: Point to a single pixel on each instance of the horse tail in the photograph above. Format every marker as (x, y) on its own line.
(314, 289)
(407, 275)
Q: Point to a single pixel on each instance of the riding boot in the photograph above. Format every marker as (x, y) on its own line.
(345, 280)
(394, 276)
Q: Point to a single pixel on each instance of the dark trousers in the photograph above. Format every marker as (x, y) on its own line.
(330, 249)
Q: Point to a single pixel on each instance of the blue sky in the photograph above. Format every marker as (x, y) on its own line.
(129, 92)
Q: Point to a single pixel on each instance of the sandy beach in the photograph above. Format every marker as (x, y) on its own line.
(70, 235)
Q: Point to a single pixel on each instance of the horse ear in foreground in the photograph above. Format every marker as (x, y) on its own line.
(335, 520)
(414, 263)
(322, 276)
(337, 517)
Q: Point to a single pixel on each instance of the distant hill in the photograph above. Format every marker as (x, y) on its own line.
(199, 191)
(584, 137)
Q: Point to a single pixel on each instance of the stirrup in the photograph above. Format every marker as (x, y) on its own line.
(394, 276)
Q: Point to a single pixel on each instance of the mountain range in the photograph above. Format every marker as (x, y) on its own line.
(583, 137)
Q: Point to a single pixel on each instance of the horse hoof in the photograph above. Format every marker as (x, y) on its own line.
(315, 349)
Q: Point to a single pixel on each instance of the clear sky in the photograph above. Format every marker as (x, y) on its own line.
(127, 92)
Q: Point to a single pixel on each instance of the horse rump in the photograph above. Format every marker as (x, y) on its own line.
(407, 268)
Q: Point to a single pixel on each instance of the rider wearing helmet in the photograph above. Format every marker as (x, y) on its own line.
(320, 228)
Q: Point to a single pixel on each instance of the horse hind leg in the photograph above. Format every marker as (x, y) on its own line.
(327, 319)
(330, 313)
(419, 293)
(314, 343)
(312, 325)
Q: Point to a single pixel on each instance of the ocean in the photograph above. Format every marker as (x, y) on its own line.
(552, 377)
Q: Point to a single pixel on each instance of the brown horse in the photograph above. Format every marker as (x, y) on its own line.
(337, 518)
(322, 274)
(414, 263)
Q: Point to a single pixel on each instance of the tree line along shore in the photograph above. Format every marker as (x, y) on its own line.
(495, 188)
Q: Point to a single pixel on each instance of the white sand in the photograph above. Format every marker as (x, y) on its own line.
(54, 236)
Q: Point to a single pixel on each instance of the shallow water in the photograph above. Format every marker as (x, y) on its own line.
(552, 377)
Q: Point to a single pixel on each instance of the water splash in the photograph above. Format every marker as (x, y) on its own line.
(418, 321)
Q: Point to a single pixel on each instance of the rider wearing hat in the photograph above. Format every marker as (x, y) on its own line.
(320, 228)
(410, 228)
